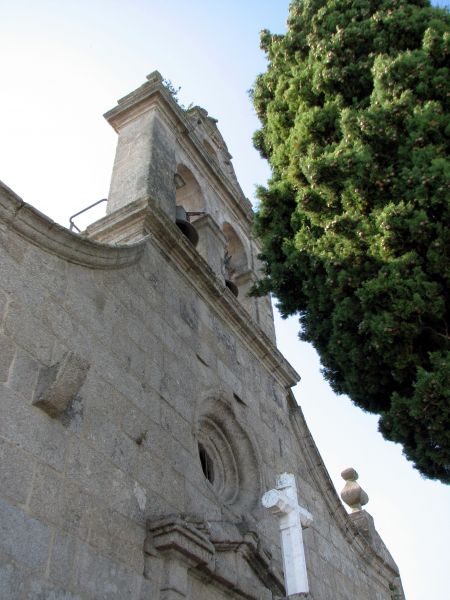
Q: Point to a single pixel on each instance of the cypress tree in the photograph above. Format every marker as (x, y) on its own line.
(354, 222)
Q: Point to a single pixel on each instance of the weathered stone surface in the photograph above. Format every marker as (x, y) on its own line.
(26, 539)
(7, 349)
(23, 374)
(157, 474)
(3, 303)
(212, 242)
(364, 522)
(12, 583)
(100, 578)
(28, 333)
(30, 429)
(118, 538)
(100, 478)
(62, 558)
(42, 590)
(149, 589)
(16, 472)
(47, 494)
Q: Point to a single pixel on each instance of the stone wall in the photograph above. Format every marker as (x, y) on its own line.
(103, 495)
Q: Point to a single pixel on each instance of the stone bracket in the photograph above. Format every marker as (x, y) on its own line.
(59, 384)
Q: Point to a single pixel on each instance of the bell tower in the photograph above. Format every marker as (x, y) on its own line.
(175, 162)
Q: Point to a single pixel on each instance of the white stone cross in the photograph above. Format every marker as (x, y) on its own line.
(283, 503)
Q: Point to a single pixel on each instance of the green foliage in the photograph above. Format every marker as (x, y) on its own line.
(354, 222)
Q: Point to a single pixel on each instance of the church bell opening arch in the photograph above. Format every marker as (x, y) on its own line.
(235, 260)
(188, 192)
(189, 202)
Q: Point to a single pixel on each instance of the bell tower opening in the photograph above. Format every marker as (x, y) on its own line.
(189, 202)
(236, 251)
(235, 260)
(188, 192)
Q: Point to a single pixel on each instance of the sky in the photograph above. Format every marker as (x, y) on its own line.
(65, 63)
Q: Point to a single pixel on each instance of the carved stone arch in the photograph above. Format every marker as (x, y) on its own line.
(188, 191)
(234, 456)
(238, 261)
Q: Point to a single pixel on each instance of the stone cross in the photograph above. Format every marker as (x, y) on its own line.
(283, 503)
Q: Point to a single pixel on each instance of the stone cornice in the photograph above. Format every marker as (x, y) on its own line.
(41, 231)
(176, 535)
(154, 93)
(182, 254)
(378, 567)
(193, 543)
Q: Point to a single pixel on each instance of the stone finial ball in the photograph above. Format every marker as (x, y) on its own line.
(349, 474)
(353, 494)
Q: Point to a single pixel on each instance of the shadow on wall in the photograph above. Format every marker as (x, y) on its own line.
(188, 192)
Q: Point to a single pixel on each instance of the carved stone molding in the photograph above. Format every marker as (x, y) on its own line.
(41, 231)
(236, 475)
(182, 546)
(178, 537)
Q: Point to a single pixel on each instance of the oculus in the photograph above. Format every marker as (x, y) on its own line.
(227, 456)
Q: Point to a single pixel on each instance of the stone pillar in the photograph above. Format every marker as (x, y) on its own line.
(212, 243)
(145, 162)
(175, 583)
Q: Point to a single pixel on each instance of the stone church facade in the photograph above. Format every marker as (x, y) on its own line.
(144, 406)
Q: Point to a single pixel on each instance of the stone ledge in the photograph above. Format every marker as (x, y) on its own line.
(188, 542)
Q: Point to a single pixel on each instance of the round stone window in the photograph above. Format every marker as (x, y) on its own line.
(227, 457)
(207, 463)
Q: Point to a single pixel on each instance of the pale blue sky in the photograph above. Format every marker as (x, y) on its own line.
(62, 65)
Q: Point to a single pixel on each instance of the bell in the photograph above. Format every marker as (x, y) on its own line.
(182, 221)
(232, 287)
